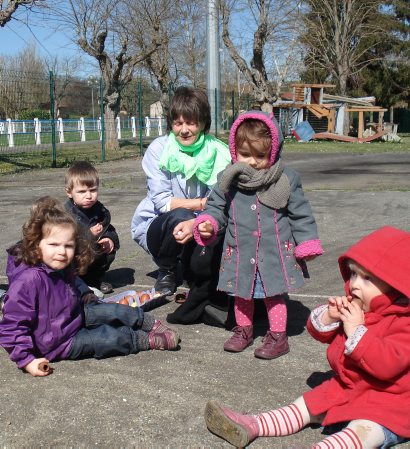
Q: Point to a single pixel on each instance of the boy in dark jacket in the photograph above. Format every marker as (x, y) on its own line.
(81, 186)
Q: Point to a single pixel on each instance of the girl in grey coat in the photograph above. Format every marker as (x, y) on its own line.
(269, 231)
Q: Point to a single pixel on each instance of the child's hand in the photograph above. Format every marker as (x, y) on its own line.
(335, 305)
(36, 368)
(90, 298)
(351, 316)
(206, 229)
(107, 245)
(96, 229)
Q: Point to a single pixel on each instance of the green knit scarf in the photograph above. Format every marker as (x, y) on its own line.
(205, 158)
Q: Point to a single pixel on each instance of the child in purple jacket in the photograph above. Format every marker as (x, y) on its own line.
(44, 318)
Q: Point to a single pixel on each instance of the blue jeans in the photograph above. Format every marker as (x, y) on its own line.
(390, 438)
(109, 330)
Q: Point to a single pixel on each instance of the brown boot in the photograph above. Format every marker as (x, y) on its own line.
(274, 344)
(242, 338)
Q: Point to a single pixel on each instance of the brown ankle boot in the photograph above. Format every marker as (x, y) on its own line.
(242, 338)
(274, 344)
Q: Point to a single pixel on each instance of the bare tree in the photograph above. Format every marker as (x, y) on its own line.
(339, 36)
(99, 32)
(9, 7)
(191, 39)
(265, 20)
(148, 21)
(63, 70)
(179, 27)
(23, 82)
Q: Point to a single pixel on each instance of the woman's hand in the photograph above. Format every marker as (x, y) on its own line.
(37, 368)
(206, 230)
(183, 231)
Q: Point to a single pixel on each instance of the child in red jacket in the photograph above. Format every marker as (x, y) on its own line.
(368, 332)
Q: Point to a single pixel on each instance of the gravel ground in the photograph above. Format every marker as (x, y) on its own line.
(156, 399)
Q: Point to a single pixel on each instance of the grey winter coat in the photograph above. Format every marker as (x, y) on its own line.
(260, 238)
(257, 237)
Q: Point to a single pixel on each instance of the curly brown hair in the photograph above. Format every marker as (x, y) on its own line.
(46, 213)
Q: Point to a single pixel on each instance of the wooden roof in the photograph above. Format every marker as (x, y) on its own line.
(312, 85)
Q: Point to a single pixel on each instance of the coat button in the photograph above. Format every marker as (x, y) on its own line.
(253, 207)
(252, 261)
(255, 233)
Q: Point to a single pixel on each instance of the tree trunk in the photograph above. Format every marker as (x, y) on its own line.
(111, 111)
(111, 138)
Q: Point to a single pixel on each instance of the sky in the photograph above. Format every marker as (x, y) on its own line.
(16, 35)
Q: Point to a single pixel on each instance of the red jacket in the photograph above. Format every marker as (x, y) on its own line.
(373, 382)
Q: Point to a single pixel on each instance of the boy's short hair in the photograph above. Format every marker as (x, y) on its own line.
(192, 104)
(83, 173)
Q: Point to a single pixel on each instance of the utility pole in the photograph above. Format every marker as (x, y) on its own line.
(212, 66)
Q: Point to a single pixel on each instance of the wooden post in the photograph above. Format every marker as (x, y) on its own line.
(381, 117)
(331, 121)
(361, 125)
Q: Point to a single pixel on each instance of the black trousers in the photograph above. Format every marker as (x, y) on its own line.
(165, 250)
(202, 274)
(96, 271)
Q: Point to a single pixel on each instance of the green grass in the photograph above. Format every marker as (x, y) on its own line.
(16, 161)
(323, 146)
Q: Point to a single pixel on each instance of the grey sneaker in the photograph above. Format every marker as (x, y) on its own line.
(2, 295)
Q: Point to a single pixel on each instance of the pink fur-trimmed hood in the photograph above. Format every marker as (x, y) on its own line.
(271, 123)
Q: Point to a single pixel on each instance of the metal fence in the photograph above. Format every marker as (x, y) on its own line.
(19, 135)
(45, 112)
(48, 112)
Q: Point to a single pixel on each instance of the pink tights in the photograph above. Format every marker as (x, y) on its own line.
(275, 307)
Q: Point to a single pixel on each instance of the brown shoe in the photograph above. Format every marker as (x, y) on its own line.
(274, 344)
(242, 338)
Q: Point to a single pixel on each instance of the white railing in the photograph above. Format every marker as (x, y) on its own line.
(38, 131)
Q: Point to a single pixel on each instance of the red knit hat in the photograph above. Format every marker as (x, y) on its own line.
(385, 253)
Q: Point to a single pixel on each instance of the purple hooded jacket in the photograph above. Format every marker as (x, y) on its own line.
(42, 313)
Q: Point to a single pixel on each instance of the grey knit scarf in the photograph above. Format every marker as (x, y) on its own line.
(271, 184)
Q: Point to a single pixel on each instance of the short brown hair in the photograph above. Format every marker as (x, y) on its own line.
(43, 216)
(251, 130)
(81, 172)
(192, 104)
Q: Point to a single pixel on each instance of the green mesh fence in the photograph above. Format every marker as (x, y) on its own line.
(45, 115)
(48, 120)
